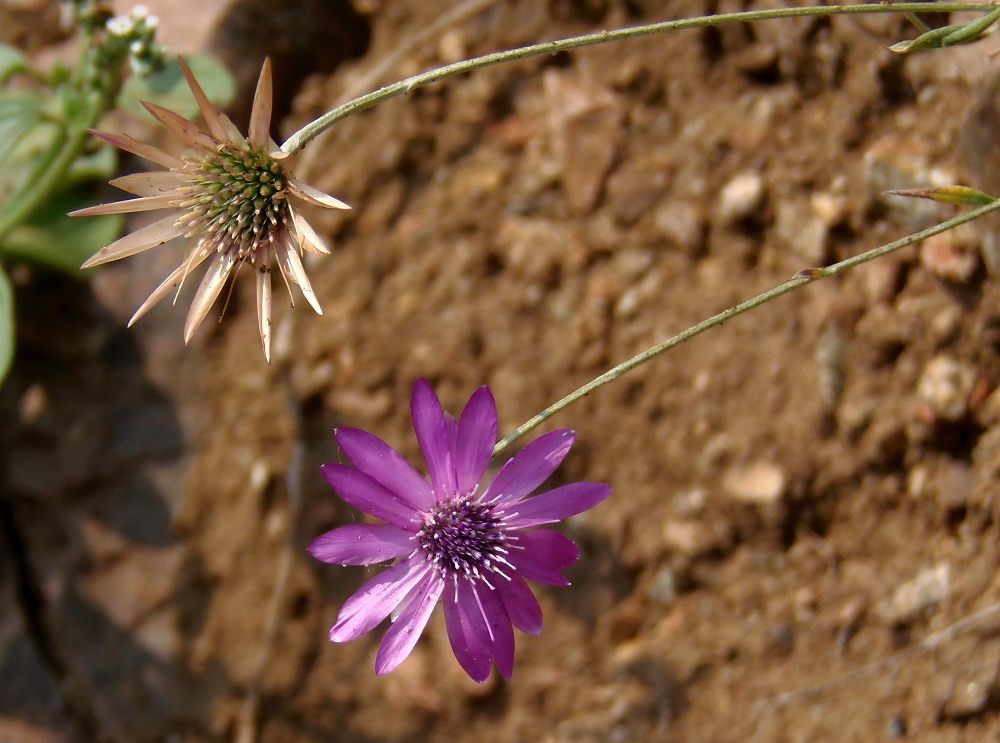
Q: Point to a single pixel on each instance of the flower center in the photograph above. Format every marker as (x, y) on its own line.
(463, 538)
(239, 197)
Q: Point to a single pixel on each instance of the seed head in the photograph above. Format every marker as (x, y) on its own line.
(232, 197)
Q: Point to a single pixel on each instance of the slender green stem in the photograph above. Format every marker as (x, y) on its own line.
(6, 324)
(799, 280)
(44, 179)
(66, 146)
(300, 138)
(915, 20)
(972, 31)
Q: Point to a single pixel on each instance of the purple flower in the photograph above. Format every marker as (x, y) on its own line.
(453, 539)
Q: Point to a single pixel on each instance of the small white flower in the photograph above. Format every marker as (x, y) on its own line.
(138, 66)
(119, 26)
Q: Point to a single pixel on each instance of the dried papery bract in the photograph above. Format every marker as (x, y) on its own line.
(233, 199)
(454, 539)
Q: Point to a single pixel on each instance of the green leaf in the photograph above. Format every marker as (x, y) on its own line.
(953, 35)
(6, 324)
(11, 61)
(56, 241)
(100, 165)
(169, 89)
(948, 194)
(17, 103)
(933, 39)
(18, 116)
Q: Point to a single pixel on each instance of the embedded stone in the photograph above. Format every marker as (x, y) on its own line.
(761, 483)
(740, 197)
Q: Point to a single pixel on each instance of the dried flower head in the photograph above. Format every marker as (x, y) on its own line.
(231, 196)
(453, 540)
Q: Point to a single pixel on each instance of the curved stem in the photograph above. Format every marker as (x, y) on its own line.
(50, 172)
(6, 324)
(300, 138)
(454, 15)
(799, 280)
(43, 180)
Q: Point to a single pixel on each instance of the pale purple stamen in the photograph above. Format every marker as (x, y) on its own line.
(462, 537)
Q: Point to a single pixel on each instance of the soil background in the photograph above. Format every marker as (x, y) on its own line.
(802, 540)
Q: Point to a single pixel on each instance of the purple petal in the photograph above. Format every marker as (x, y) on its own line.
(376, 599)
(521, 605)
(365, 494)
(549, 547)
(403, 635)
(361, 544)
(381, 462)
(467, 631)
(538, 572)
(557, 504)
(530, 467)
(499, 627)
(477, 433)
(431, 427)
(543, 555)
(452, 425)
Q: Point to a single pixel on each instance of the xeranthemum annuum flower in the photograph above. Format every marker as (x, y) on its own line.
(231, 197)
(453, 539)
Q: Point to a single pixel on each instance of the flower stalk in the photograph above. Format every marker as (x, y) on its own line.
(51, 170)
(310, 131)
(806, 276)
(91, 92)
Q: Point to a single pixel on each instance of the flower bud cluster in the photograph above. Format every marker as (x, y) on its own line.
(90, 15)
(134, 36)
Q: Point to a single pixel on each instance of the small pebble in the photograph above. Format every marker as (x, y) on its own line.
(968, 700)
(33, 404)
(663, 588)
(882, 280)
(681, 224)
(781, 639)
(929, 587)
(988, 411)
(761, 483)
(690, 502)
(952, 256)
(897, 162)
(829, 207)
(945, 387)
(896, 728)
(831, 364)
(801, 231)
(626, 621)
(739, 198)
(684, 537)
